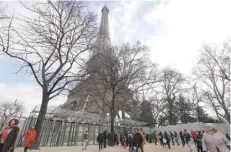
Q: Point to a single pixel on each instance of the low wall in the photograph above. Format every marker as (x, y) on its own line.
(223, 128)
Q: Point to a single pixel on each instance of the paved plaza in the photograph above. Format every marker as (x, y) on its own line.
(147, 148)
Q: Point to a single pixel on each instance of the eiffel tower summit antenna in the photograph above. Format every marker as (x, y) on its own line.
(103, 38)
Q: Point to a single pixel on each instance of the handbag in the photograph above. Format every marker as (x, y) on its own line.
(164, 140)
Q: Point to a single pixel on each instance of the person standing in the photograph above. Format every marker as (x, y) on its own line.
(100, 141)
(109, 139)
(115, 139)
(130, 143)
(193, 135)
(155, 138)
(176, 138)
(150, 138)
(161, 138)
(188, 140)
(199, 141)
(30, 136)
(85, 140)
(228, 137)
(138, 139)
(147, 137)
(104, 139)
(182, 138)
(125, 143)
(9, 136)
(167, 138)
(172, 137)
(121, 139)
(213, 140)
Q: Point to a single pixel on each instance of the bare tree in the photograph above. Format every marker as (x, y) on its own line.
(213, 69)
(171, 88)
(10, 109)
(159, 107)
(50, 46)
(195, 98)
(122, 72)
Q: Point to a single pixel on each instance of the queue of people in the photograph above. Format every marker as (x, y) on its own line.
(133, 141)
(210, 140)
(105, 139)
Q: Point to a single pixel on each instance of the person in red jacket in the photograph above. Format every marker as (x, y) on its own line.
(194, 134)
(30, 136)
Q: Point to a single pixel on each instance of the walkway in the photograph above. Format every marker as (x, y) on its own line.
(147, 148)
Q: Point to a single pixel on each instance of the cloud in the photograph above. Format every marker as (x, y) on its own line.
(124, 21)
(185, 27)
(29, 94)
(157, 13)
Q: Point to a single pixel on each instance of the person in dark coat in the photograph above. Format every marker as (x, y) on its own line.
(121, 139)
(115, 139)
(109, 139)
(104, 139)
(147, 137)
(228, 137)
(187, 138)
(182, 138)
(172, 137)
(138, 141)
(130, 142)
(198, 139)
(161, 138)
(9, 136)
(154, 138)
(100, 140)
(176, 138)
(150, 138)
(167, 138)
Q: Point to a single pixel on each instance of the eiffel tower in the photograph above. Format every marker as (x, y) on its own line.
(79, 98)
(103, 38)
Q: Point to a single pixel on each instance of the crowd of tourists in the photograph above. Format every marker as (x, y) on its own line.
(208, 140)
(132, 141)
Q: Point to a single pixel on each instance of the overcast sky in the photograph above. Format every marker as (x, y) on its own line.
(173, 30)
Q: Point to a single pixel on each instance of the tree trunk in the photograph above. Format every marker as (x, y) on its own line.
(170, 114)
(41, 117)
(112, 130)
(112, 121)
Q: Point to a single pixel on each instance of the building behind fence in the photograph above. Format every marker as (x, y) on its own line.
(56, 133)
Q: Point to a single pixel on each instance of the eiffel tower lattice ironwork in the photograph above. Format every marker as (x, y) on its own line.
(78, 98)
(103, 38)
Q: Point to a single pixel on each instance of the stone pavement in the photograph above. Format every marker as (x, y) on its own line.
(147, 148)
